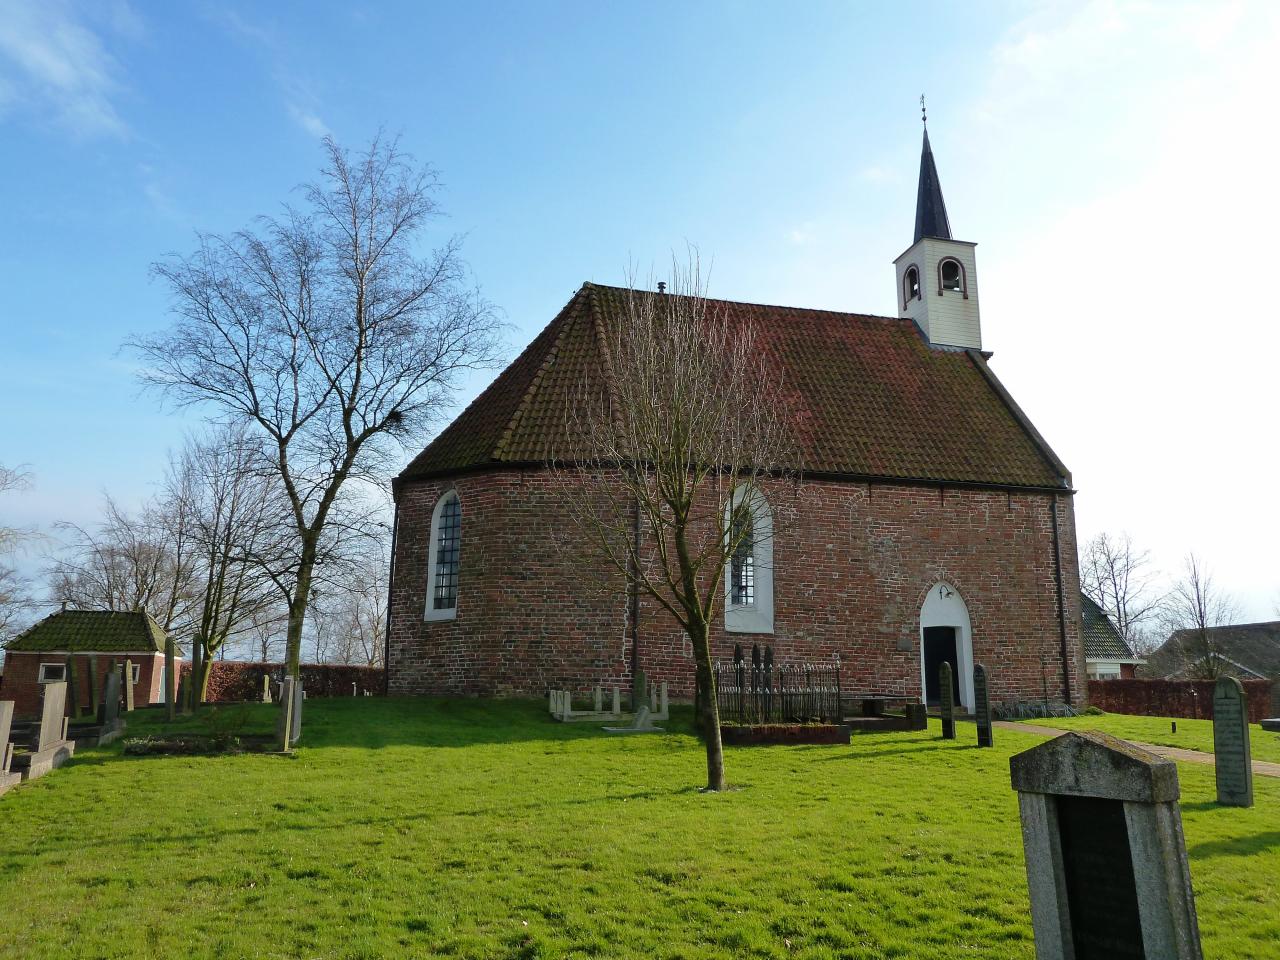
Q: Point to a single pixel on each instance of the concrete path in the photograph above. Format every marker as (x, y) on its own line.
(1262, 768)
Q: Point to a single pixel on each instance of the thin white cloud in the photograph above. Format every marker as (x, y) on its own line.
(308, 121)
(52, 63)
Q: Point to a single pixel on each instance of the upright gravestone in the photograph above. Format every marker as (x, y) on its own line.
(266, 688)
(597, 700)
(73, 688)
(284, 723)
(617, 702)
(1106, 859)
(111, 699)
(94, 706)
(127, 680)
(948, 701)
(982, 705)
(53, 708)
(1231, 755)
(7, 779)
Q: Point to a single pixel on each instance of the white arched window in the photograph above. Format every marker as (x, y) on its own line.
(910, 285)
(748, 581)
(443, 559)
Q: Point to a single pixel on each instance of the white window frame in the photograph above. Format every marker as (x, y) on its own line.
(42, 678)
(137, 673)
(431, 613)
(757, 616)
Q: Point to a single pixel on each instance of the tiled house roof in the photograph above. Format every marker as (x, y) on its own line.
(1102, 641)
(91, 631)
(877, 401)
(1252, 648)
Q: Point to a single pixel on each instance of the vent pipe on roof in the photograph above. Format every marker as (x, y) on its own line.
(662, 286)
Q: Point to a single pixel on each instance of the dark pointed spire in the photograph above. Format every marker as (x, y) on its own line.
(931, 210)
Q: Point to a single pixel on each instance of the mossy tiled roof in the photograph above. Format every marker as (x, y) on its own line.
(92, 631)
(876, 400)
(1102, 641)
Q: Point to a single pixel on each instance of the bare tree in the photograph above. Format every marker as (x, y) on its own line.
(326, 332)
(130, 561)
(674, 448)
(353, 613)
(230, 498)
(1194, 607)
(15, 589)
(1119, 578)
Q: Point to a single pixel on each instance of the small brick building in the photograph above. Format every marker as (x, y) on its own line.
(85, 643)
(932, 523)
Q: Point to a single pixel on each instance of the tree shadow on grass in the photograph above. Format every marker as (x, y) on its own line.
(925, 747)
(1237, 846)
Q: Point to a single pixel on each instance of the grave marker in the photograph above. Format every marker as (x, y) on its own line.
(93, 686)
(53, 706)
(948, 701)
(1233, 766)
(7, 779)
(73, 687)
(111, 699)
(617, 702)
(128, 686)
(597, 702)
(289, 723)
(982, 705)
(266, 688)
(1105, 855)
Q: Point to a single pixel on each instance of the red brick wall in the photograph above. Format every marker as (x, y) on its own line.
(22, 671)
(853, 563)
(1174, 698)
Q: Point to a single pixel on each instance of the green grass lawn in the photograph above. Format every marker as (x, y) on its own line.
(423, 828)
(1192, 734)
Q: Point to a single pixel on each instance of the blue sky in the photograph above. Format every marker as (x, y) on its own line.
(1112, 160)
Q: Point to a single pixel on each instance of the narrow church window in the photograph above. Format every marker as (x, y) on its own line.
(952, 275)
(911, 285)
(748, 600)
(445, 556)
(742, 566)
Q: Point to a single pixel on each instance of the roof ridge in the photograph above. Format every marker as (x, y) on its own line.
(756, 303)
(571, 312)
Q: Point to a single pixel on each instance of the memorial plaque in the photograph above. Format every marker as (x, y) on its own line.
(982, 705)
(1232, 758)
(948, 701)
(1102, 896)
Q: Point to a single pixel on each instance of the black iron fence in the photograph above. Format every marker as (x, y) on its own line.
(762, 691)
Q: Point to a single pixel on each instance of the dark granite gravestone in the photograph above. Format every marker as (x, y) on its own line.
(7, 779)
(1105, 855)
(111, 699)
(94, 705)
(1232, 758)
(73, 688)
(982, 705)
(948, 701)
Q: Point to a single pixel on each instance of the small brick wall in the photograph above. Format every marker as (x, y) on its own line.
(1192, 699)
(232, 681)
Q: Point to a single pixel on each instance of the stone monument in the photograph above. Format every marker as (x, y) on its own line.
(289, 723)
(266, 688)
(948, 701)
(1233, 764)
(982, 705)
(1106, 859)
(7, 779)
(50, 747)
(127, 679)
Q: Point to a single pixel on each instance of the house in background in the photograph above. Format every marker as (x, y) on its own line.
(1106, 654)
(1246, 651)
(92, 639)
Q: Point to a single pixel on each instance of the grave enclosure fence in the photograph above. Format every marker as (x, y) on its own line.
(761, 691)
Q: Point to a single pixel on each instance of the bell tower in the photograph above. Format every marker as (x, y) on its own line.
(938, 275)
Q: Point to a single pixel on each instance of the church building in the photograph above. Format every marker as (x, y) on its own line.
(932, 521)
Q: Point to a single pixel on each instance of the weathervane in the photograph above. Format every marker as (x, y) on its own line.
(924, 118)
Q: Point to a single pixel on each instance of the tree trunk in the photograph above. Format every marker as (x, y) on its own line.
(201, 684)
(708, 709)
(298, 609)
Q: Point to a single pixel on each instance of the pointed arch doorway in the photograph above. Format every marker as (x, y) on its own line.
(946, 635)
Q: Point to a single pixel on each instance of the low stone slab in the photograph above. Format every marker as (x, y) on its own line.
(773, 734)
(36, 764)
(1272, 723)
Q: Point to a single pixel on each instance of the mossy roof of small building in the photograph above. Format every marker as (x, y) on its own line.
(877, 400)
(1102, 640)
(91, 631)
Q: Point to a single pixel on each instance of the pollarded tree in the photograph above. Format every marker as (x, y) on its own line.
(670, 458)
(329, 333)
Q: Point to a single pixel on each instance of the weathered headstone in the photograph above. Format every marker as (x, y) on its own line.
(111, 699)
(982, 705)
(1106, 859)
(1232, 760)
(597, 701)
(7, 779)
(299, 695)
(73, 688)
(641, 724)
(128, 686)
(266, 688)
(664, 706)
(286, 735)
(653, 699)
(53, 707)
(94, 705)
(639, 691)
(617, 702)
(948, 701)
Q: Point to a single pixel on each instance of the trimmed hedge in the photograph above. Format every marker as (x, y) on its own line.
(232, 681)
(1190, 699)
